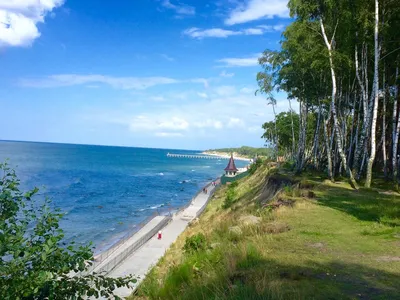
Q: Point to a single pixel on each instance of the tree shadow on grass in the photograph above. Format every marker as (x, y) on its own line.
(365, 205)
(258, 278)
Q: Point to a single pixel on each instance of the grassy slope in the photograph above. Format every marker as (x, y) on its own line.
(339, 245)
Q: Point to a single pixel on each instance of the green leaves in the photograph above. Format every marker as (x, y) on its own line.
(33, 265)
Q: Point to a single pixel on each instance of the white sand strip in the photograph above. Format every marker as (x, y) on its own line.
(141, 261)
(225, 156)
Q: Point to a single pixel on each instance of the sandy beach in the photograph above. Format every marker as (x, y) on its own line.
(226, 155)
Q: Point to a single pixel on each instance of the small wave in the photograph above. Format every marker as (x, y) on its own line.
(151, 207)
(157, 206)
(193, 170)
(161, 174)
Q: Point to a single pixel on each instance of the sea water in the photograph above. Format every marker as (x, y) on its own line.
(107, 192)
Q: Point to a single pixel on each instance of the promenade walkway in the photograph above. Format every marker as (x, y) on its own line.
(140, 262)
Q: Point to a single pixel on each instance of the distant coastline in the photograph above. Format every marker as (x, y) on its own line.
(243, 152)
(227, 155)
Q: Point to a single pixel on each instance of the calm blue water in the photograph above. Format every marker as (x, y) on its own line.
(107, 191)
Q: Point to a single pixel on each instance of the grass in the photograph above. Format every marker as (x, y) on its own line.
(329, 242)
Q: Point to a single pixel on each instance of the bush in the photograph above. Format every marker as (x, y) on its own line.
(34, 263)
(254, 166)
(195, 243)
(230, 195)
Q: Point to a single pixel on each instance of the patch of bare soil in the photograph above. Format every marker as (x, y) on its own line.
(388, 258)
(272, 186)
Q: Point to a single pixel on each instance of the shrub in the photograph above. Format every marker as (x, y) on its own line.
(195, 243)
(254, 166)
(229, 199)
(233, 185)
(35, 261)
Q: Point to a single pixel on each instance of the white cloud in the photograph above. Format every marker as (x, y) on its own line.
(255, 129)
(253, 31)
(174, 123)
(157, 98)
(209, 123)
(180, 9)
(213, 32)
(235, 122)
(247, 90)
(225, 90)
(236, 116)
(202, 95)
(148, 123)
(199, 33)
(257, 9)
(19, 19)
(240, 61)
(270, 28)
(167, 57)
(125, 83)
(225, 74)
(168, 134)
(204, 81)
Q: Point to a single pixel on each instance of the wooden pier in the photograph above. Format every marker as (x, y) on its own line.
(195, 156)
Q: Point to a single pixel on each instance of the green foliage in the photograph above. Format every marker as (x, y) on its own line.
(195, 243)
(254, 166)
(230, 195)
(34, 262)
(268, 261)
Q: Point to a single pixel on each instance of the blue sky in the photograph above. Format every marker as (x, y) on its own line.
(149, 73)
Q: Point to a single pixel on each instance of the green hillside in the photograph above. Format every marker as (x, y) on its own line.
(314, 239)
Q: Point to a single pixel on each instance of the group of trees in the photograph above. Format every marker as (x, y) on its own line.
(340, 60)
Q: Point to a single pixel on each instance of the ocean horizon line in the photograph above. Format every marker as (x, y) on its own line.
(100, 145)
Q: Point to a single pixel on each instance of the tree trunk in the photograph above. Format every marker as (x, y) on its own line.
(333, 108)
(316, 138)
(293, 138)
(384, 127)
(328, 149)
(276, 133)
(302, 135)
(364, 94)
(396, 128)
(376, 99)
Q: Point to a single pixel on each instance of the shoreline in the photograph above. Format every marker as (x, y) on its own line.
(112, 253)
(140, 261)
(226, 155)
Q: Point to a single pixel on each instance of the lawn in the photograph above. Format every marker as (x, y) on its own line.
(314, 240)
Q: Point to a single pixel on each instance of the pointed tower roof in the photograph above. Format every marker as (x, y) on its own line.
(231, 165)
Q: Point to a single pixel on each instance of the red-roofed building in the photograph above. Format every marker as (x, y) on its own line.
(231, 169)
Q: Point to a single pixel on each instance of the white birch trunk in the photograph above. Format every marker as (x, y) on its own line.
(328, 149)
(293, 138)
(333, 108)
(396, 127)
(384, 126)
(376, 99)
